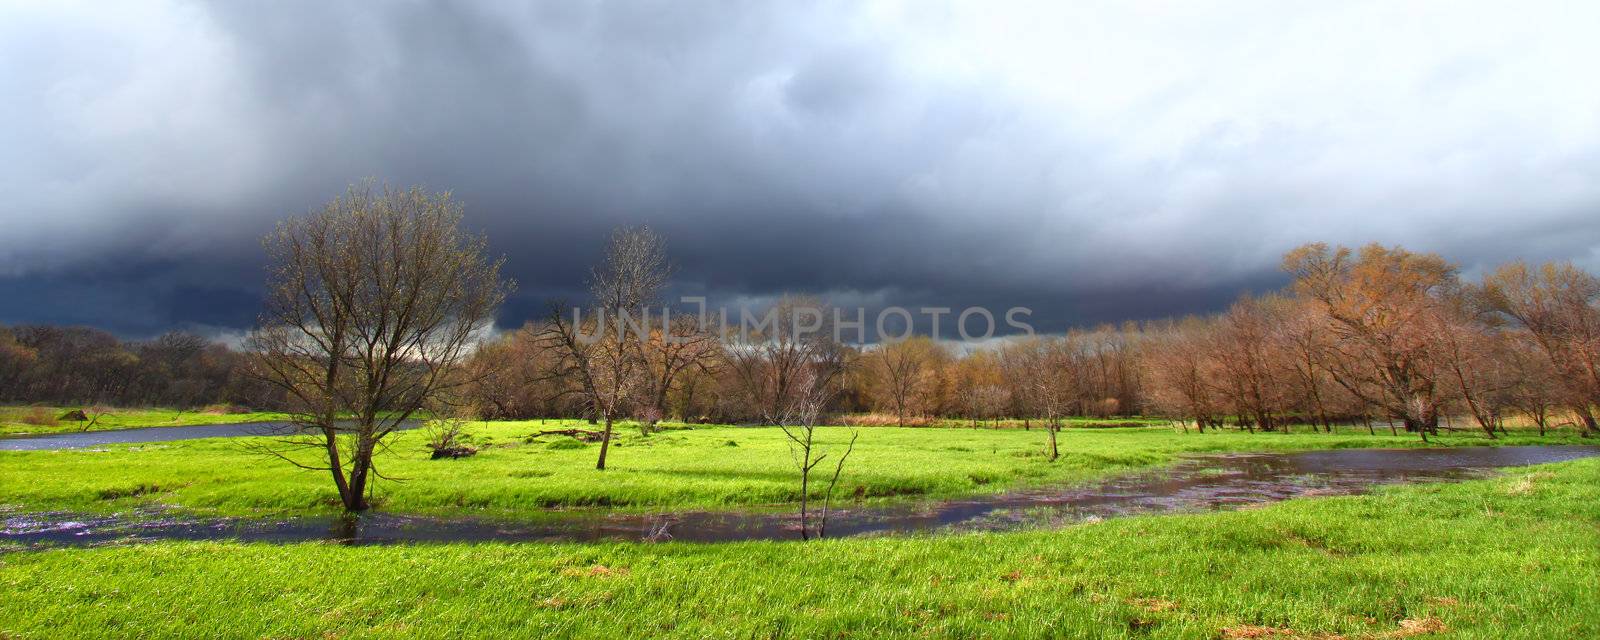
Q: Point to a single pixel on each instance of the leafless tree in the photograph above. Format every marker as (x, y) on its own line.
(1254, 378)
(371, 303)
(906, 372)
(1180, 370)
(605, 352)
(1384, 310)
(813, 386)
(683, 343)
(1558, 306)
(769, 363)
(1043, 370)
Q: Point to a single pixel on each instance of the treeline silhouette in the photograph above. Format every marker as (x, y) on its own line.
(87, 366)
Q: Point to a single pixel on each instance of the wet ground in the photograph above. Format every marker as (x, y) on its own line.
(82, 439)
(1194, 485)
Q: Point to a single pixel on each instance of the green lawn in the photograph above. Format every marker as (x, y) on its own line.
(703, 467)
(14, 420)
(1511, 557)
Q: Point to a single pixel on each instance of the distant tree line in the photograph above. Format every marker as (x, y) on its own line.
(1380, 336)
(87, 366)
(1375, 336)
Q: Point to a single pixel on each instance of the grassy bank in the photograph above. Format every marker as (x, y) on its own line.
(1511, 557)
(34, 420)
(705, 467)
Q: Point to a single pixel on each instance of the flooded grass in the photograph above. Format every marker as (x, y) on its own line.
(1202, 484)
(678, 470)
(1504, 557)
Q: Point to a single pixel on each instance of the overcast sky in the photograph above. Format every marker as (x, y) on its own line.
(1094, 162)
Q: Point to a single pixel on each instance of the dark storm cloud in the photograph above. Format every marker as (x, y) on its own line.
(1093, 163)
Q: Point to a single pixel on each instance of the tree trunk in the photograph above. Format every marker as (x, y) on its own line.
(355, 494)
(1051, 429)
(1589, 425)
(605, 443)
(805, 489)
(337, 469)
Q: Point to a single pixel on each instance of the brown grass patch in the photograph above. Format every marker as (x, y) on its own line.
(39, 417)
(1247, 631)
(882, 420)
(1421, 626)
(1153, 605)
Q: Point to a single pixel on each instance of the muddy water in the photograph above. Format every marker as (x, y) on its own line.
(82, 439)
(1194, 485)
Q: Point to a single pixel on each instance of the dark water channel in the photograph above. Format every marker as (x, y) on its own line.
(1196, 484)
(85, 439)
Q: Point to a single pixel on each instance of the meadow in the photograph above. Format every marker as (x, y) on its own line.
(1509, 557)
(703, 467)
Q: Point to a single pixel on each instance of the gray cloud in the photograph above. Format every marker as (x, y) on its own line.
(1091, 162)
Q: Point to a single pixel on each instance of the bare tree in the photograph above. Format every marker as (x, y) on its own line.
(1475, 358)
(1252, 378)
(768, 363)
(1558, 306)
(605, 353)
(371, 303)
(813, 386)
(683, 343)
(1384, 310)
(906, 371)
(1299, 338)
(1180, 369)
(982, 392)
(1043, 369)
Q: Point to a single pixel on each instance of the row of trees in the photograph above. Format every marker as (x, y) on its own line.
(708, 374)
(86, 366)
(1376, 335)
(1388, 334)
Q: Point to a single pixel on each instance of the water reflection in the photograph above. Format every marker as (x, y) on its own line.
(1197, 484)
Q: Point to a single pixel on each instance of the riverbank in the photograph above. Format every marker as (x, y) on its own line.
(1509, 557)
(42, 420)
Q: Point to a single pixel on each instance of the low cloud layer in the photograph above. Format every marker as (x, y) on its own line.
(1094, 162)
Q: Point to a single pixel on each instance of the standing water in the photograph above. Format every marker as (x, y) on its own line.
(1193, 485)
(82, 439)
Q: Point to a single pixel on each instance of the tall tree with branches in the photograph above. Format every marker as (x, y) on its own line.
(371, 303)
(1385, 308)
(606, 352)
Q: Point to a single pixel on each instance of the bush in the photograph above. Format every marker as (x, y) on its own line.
(448, 438)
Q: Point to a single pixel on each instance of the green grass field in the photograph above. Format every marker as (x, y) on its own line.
(19, 420)
(699, 468)
(1511, 557)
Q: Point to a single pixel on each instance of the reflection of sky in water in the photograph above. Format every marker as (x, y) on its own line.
(1199, 484)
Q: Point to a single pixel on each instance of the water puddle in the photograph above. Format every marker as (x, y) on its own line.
(1196, 484)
